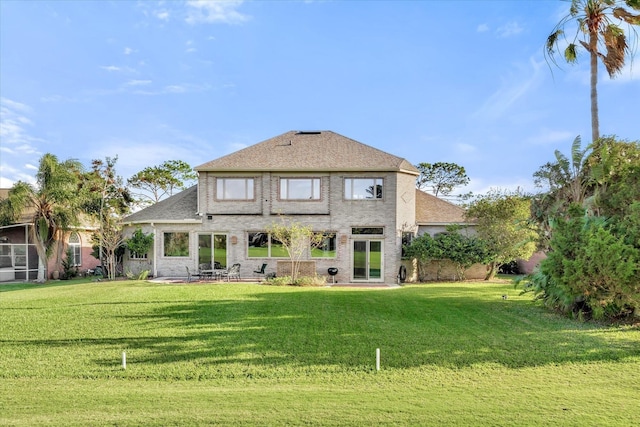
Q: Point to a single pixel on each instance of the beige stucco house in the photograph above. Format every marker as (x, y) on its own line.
(18, 257)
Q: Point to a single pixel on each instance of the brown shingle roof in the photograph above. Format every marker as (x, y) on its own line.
(309, 151)
(179, 207)
(433, 210)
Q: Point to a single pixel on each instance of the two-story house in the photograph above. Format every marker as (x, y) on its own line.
(363, 200)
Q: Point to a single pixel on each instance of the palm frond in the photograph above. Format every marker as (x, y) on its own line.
(570, 53)
(577, 154)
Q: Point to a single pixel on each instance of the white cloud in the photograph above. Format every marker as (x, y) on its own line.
(57, 98)
(16, 141)
(128, 51)
(6, 182)
(509, 29)
(481, 186)
(513, 88)
(162, 14)
(208, 12)
(138, 83)
(463, 148)
(10, 175)
(13, 125)
(174, 89)
(116, 69)
(482, 28)
(550, 136)
(190, 47)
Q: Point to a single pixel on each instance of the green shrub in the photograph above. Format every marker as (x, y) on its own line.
(311, 281)
(590, 271)
(300, 281)
(69, 271)
(279, 281)
(140, 276)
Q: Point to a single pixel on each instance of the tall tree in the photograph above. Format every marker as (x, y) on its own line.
(52, 204)
(106, 199)
(502, 222)
(599, 31)
(154, 183)
(441, 177)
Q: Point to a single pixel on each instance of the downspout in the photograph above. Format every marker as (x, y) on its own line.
(155, 251)
(26, 244)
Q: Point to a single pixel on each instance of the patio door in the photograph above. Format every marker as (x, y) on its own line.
(367, 260)
(212, 249)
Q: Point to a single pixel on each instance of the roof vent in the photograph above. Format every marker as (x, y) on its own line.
(308, 132)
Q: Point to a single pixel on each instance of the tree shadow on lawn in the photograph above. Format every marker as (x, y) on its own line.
(411, 327)
(267, 333)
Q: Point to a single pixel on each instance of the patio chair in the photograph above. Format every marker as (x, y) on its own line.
(191, 275)
(232, 272)
(261, 270)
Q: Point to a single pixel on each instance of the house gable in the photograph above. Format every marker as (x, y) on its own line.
(309, 151)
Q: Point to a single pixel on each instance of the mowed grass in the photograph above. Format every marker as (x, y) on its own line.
(242, 354)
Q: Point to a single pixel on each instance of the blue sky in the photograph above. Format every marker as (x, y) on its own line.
(451, 81)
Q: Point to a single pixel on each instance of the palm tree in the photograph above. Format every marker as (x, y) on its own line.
(51, 204)
(599, 23)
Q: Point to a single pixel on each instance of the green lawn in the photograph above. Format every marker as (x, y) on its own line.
(234, 354)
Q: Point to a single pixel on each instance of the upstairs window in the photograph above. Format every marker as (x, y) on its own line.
(300, 188)
(363, 188)
(234, 189)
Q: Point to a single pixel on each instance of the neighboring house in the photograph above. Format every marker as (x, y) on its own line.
(18, 256)
(360, 198)
(433, 215)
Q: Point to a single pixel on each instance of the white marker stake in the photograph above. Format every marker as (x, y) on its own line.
(124, 360)
(377, 359)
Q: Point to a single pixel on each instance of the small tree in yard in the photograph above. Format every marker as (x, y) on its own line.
(502, 221)
(106, 199)
(462, 250)
(298, 240)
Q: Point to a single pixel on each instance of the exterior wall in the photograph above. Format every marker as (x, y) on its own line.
(443, 270)
(527, 266)
(16, 235)
(207, 197)
(87, 260)
(296, 207)
(136, 266)
(12, 247)
(332, 214)
(169, 266)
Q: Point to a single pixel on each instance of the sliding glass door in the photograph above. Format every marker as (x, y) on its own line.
(212, 249)
(367, 260)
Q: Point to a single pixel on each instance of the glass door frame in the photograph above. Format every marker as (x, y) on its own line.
(212, 249)
(370, 261)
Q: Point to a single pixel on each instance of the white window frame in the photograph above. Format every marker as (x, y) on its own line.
(349, 186)
(223, 183)
(76, 248)
(287, 188)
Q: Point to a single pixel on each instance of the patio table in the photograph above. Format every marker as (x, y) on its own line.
(214, 274)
